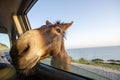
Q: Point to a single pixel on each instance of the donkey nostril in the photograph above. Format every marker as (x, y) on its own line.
(26, 49)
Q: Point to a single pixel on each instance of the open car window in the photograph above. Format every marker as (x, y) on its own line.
(93, 40)
(4, 42)
(4, 47)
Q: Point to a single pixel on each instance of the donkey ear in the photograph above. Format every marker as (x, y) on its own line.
(48, 22)
(66, 25)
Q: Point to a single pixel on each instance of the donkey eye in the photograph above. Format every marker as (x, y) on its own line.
(58, 30)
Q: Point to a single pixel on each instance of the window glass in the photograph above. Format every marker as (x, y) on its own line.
(4, 48)
(93, 41)
(4, 41)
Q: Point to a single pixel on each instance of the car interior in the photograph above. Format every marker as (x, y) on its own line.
(14, 22)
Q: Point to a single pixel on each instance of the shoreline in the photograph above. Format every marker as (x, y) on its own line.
(105, 72)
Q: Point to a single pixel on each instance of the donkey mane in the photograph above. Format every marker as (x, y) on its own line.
(58, 22)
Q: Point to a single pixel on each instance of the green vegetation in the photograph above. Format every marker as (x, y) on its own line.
(83, 61)
(99, 62)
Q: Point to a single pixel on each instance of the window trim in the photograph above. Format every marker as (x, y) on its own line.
(43, 72)
(24, 8)
(20, 18)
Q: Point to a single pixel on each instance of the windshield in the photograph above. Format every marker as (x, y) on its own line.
(93, 40)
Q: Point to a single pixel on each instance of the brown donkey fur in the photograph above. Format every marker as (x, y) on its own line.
(41, 43)
(61, 60)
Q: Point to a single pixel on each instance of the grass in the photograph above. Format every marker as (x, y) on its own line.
(113, 66)
(107, 65)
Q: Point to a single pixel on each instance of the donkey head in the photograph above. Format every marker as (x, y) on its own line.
(53, 35)
(38, 44)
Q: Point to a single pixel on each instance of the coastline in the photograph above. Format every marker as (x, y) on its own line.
(105, 72)
(104, 53)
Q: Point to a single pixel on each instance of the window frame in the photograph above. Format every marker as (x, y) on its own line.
(20, 18)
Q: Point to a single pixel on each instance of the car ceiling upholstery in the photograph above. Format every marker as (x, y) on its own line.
(7, 9)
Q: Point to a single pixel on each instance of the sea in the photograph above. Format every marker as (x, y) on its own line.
(105, 53)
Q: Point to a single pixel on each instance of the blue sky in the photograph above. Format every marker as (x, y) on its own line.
(96, 22)
(4, 39)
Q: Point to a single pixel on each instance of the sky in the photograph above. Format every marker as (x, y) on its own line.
(4, 39)
(96, 22)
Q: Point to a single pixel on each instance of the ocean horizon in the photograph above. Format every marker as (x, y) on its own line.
(105, 53)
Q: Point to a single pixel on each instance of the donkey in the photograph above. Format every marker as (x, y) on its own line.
(40, 43)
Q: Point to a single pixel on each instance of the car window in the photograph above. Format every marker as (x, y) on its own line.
(4, 41)
(4, 47)
(93, 41)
